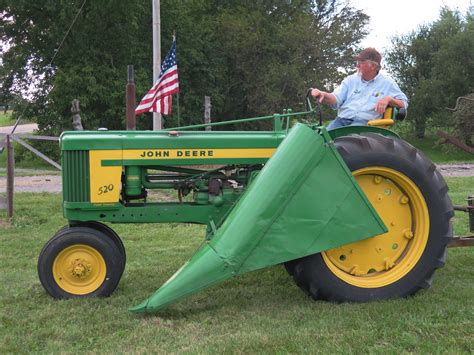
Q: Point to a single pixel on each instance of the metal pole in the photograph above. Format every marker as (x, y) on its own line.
(10, 177)
(179, 113)
(157, 122)
(131, 123)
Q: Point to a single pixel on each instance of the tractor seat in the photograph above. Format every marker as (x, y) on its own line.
(390, 115)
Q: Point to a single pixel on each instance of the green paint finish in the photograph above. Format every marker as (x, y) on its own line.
(146, 140)
(345, 131)
(88, 140)
(133, 181)
(75, 175)
(181, 162)
(91, 206)
(313, 205)
(157, 212)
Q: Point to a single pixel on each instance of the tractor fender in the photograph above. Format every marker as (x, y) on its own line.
(348, 130)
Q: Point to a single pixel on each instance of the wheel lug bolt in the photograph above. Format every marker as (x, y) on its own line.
(404, 200)
(408, 233)
(377, 179)
(355, 270)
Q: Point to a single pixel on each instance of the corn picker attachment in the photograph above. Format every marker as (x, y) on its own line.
(355, 214)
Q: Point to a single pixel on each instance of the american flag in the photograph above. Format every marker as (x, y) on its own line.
(158, 99)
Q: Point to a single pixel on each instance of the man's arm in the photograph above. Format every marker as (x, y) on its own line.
(386, 101)
(324, 96)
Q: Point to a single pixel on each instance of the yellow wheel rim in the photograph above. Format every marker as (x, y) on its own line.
(79, 269)
(386, 258)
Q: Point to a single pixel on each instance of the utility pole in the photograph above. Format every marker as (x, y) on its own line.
(157, 122)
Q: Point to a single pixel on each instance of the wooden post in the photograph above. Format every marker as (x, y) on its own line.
(76, 117)
(3, 145)
(10, 177)
(207, 112)
(131, 123)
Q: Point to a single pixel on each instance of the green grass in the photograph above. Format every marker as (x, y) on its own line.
(259, 312)
(435, 152)
(6, 119)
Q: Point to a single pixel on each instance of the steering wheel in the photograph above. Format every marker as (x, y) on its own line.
(309, 107)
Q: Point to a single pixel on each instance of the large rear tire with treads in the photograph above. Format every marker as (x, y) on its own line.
(411, 197)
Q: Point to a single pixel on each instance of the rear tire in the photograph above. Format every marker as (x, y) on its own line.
(80, 262)
(411, 197)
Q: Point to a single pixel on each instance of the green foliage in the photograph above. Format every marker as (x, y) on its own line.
(259, 312)
(24, 159)
(437, 152)
(434, 65)
(6, 119)
(464, 119)
(90, 65)
(251, 57)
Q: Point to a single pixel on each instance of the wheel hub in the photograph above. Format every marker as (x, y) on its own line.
(382, 252)
(382, 259)
(80, 268)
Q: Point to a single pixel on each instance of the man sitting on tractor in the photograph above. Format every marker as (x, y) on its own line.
(365, 95)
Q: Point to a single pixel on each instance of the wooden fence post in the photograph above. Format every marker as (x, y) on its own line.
(207, 112)
(10, 177)
(76, 116)
(3, 145)
(130, 99)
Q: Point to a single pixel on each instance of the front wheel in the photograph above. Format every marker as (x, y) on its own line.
(80, 262)
(411, 198)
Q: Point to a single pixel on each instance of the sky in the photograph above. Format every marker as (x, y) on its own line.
(396, 17)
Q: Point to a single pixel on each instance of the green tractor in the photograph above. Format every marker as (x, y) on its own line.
(355, 214)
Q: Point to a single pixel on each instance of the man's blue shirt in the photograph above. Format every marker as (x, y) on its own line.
(356, 98)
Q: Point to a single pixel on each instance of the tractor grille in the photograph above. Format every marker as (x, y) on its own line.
(75, 170)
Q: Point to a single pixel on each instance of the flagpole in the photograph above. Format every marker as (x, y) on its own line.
(179, 115)
(157, 121)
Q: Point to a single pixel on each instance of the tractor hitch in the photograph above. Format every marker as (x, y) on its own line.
(469, 240)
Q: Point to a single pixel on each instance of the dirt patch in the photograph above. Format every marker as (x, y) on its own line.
(45, 183)
(456, 169)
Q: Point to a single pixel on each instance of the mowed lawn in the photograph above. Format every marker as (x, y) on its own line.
(260, 312)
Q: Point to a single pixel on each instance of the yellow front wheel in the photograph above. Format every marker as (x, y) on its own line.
(79, 269)
(411, 197)
(80, 262)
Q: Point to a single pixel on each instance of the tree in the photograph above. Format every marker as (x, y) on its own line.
(434, 65)
(464, 119)
(251, 57)
(90, 64)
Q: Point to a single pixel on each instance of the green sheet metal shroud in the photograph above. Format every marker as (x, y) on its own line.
(304, 201)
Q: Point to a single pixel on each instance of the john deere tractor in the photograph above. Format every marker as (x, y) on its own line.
(354, 214)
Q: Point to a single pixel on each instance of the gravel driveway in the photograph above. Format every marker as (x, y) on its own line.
(22, 128)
